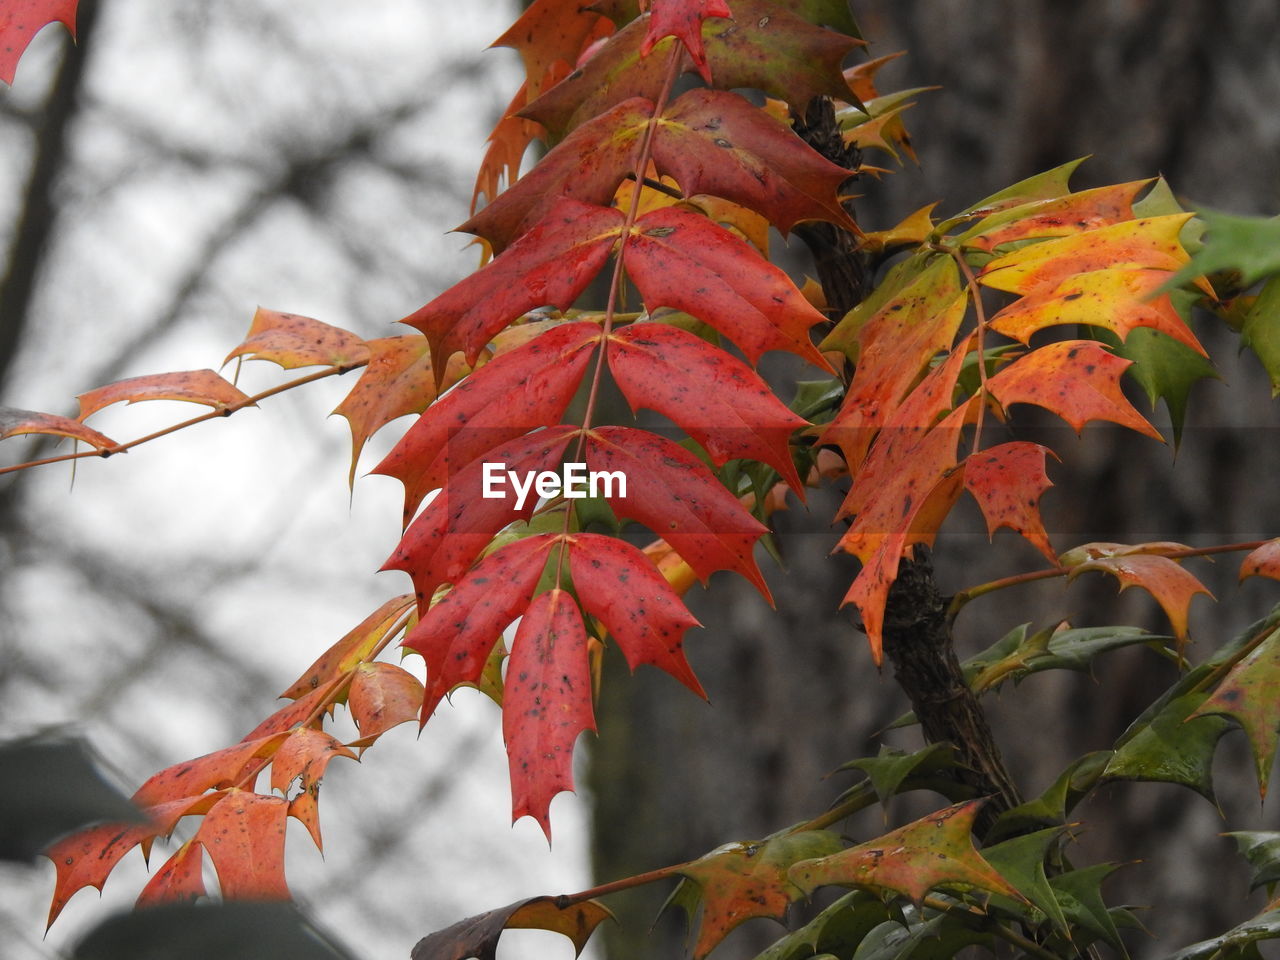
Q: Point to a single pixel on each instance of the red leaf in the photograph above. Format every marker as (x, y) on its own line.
(519, 391)
(179, 879)
(551, 32)
(244, 834)
(452, 530)
(382, 696)
(712, 395)
(14, 422)
(356, 646)
(547, 704)
(682, 260)
(1262, 562)
(683, 19)
(1057, 216)
(193, 386)
(550, 264)
(85, 859)
(21, 20)
(220, 768)
(399, 380)
(1007, 481)
(291, 714)
(672, 492)
(618, 585)
(1076, 379)
(293, 341)
(457, 633)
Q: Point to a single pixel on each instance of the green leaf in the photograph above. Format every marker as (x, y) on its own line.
(1261, 330)
(836, 930)
(50, 786)
(936, 938)
(1173, 746)
(1079, 893)
(1165, 368)
(1262, 849)
(892, 769)
(1052, 806)
(1021, 862)
(1248, 247)
(1239, 940)
(1017, 655)
(1042, 186)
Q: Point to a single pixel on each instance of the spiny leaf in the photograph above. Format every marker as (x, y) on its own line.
(891, 346)
(547, 704)
(1166, 369)
(244, 835)
(21, 20)
(217, 769)
(193, 386)
(1021, 860)
(1120, 298)
(455, 636)
(1076, 379)
(741, 881)
(935, 851)
(1007, 480)
(1240, 941)
(551, 264)
(1050, 809)
(15, 422)
(292, 340)
(892, 768)
(837, 930)
(304, 756)
(709, 141)
(398, 380)
(1262, 849)
(1042, 186)
(1151, 242)
(715, 397)
(1249, 694)
(1171, 746)
(1247, 246)
(1018, 655)
(356, 646)
(382, 696)
(683, 19)
(525, 388)
(1058, 216)
(478, 936)
(1171, 584)
(671, 492)
(764, 46)
(618, 585)
(1079, 893)
(179, 879)
(550, 32)
(449, 534)
(680, 260)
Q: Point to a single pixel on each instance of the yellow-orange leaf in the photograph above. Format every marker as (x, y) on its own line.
(1171, 584)
(193, 386)
(1058, 216)
(1007, 481)
(351, 649)
(1263, 562)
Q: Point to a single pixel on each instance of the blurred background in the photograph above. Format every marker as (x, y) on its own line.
(188, 162)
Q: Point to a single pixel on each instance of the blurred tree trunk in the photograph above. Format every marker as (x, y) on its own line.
(1184, 88)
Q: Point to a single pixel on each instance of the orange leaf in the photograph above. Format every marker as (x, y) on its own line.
(550, 32)
(21, 20)
(382, 696)
(85, 859)
(290, 715)
(193, 777)
(1262, 562)
(293, 341)
(244, 834)
(351, 649)
(861, 77)
(15, 422)
(179, 879)
(547, 704)
(305, 753)
(193, 386)
(934, 851)
(1007, 481)
(1076, 379)
(399, 380)
(1171, 584)
(1057, 216)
